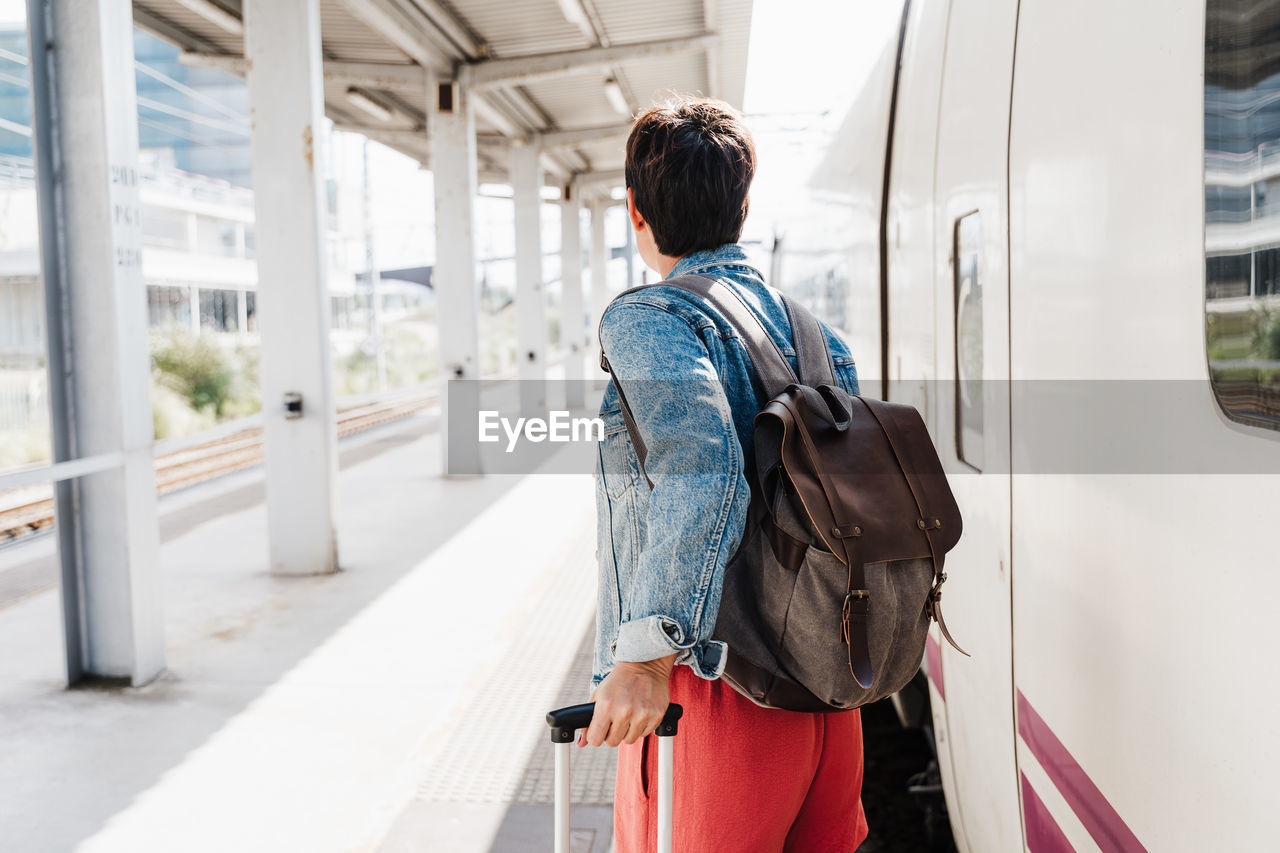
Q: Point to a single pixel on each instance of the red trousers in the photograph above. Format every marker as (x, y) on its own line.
(747, 779)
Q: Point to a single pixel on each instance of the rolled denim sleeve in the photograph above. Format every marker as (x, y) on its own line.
(698, 505)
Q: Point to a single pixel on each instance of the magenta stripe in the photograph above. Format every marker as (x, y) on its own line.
(1043, 833)
(933, 663)
(1108, 829)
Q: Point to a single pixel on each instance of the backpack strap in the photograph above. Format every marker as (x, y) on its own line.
(771, 367)
(813, 357)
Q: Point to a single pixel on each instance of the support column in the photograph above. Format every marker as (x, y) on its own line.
(572, 331)
(84, 107)
(531, 318)
(631, 255)
(375, 278)
(600, 293)
(453, 170)
(282, 52)
(193, 308)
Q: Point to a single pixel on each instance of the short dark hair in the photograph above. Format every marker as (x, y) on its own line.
(690, 163)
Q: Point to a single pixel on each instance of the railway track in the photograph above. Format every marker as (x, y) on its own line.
(29, 510)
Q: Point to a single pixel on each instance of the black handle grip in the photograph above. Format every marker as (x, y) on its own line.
(565, 721)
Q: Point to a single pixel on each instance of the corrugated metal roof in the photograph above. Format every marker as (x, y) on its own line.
(653, 81)
(346, 37)
(628, 21)
(194, 31)
(520, 28)
(504, 29)
(576, 101)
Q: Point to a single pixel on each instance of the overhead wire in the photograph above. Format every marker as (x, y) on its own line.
(236, 122)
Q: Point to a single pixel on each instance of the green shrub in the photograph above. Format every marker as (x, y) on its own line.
(172, 415)
(1271, 341)
(193, 366)
(196, 382)
(244, 397)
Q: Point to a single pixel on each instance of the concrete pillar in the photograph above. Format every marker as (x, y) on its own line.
(531, 318)
(600, 293)
(375, 278)
(453, 168)
(631, 255)
(193, 308)
(242, 312)
(573, 335)
(84, 108)
(282, 52)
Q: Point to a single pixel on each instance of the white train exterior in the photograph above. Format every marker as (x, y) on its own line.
(1080, 189)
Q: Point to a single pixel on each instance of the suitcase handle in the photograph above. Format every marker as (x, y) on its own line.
(565, 721)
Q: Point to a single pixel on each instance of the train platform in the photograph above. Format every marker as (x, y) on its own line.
(363, 710)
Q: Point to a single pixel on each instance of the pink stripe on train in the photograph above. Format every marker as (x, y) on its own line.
(1104, 824)
(1043, 833)
(933, 663)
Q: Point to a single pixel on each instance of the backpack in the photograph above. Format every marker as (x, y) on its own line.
(827, 600)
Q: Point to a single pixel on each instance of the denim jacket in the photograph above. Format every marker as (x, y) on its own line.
(685, 373)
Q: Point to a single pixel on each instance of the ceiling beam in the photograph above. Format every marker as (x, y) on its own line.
(604, 178)
(165, 29)
(542, 66)
(453, 29)
(583, 136)
(410, 29)
(390, 77)
(407, 143)
(571, 138)
(219, 16)
(499, 119)
(412, 137)
(588, 20)
(437, 40)
(406, 28)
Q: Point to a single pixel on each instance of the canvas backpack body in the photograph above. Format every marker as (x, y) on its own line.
(828, 598)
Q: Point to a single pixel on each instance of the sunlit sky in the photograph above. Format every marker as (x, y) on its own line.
(806, 63)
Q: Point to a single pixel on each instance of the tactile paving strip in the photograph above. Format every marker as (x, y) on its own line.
(593, 769)
(502, 752)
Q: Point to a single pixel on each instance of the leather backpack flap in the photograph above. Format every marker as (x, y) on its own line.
(876, 509)
(920, 464)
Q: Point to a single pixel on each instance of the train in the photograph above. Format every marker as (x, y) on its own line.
(1057, 226)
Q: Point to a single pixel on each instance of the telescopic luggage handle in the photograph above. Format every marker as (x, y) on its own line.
(565, 721)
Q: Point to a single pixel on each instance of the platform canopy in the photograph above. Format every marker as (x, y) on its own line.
(571, 72)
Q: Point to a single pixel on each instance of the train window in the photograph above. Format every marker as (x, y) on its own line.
(967, 283)
(1242, 227)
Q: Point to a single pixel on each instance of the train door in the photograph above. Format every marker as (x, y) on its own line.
(974, 695)
(907, 300)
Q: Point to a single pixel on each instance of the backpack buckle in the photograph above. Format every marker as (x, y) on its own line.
(934, 601)
(856, 598)
(859, 599)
